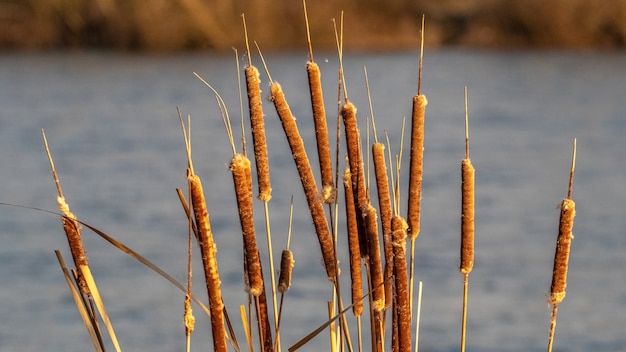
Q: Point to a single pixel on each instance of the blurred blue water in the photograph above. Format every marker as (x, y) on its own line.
(114, 133)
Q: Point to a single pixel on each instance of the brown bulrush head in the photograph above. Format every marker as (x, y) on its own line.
(242, 178)
(321, 132)
(72, 231)
(353, 246)
(399, 236)
(353, 145)
(258, 132)
(208, 251)
(286, 268)
(416, 164)
(467, 216)
(370, 218)
(384, 201)
(561, 256)
(316, 206)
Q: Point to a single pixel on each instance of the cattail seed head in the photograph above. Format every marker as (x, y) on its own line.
(353, 246)
(242, 178)
(399, 235)
(258, 132)
(467, 216)
(321, 132)
(416, 164)
(375, 266)
(561, 256)
(286, 268)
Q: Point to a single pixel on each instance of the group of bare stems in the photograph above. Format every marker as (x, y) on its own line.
(377, 236)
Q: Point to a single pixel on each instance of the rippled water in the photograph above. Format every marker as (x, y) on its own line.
(114, 133)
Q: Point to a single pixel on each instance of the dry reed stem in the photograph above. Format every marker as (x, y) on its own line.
(384, 202)
(355, 160)
(208, 251)
(467, 216)
(286, 268)
(258, 132)
(309, 186)
(321, 132)
(416, 164)
(242, 178)
(353, 246)
(375, 265)
(399, 236)
(561, 256)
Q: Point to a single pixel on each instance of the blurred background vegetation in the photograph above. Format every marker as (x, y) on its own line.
(177, 25)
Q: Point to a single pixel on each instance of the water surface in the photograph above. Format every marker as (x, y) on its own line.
(114, 133)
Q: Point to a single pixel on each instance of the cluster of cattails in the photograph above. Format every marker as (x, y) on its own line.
(377, 237)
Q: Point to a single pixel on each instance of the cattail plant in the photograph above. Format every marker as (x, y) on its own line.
(329, 192)
(306, 176)
(208, 250)
(467, 223)
(561, 255)
(416, 165)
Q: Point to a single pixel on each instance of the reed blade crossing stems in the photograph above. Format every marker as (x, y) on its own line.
(303, 166)
(353, 246)
(402, 308)
(321, 132)
(258, 132)
(208, 251)
(242, 178)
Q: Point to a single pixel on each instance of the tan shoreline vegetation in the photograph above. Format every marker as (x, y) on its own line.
(374, 24)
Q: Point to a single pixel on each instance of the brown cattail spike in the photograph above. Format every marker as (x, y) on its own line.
(402, 309)
(353, 246)
(563, 241)
(416, 164)
(321, 131)
(209, 251)
(467, 205)
(242, 178)
(258, 132)
(384, 201)
(561, 257)
(303, 166)
(375, 266)
(286, 268)
(348, 113)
